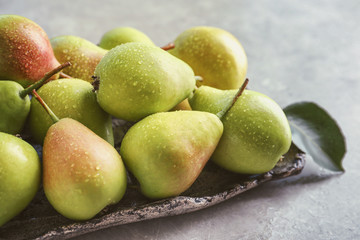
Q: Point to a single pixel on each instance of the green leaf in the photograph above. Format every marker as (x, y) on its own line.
(317, 133)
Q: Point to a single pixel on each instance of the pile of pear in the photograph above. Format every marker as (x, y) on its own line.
(187, 104)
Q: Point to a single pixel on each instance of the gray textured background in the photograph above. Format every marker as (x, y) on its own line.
(299, 50)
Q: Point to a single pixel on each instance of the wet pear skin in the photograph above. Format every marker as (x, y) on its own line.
(214, 54)
(81, 53)
(20, 175)
(138, 79)
(82, 173)
(25, 51)
(71, 98)
(121, 35)
(166, 152)
(14, 109)
(256, 130)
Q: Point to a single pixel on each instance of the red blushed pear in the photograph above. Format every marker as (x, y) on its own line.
(25, 50)
(82, 173)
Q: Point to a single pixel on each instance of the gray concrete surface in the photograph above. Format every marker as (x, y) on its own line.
(299, 50)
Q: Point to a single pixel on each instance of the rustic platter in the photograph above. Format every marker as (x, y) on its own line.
(215, 185)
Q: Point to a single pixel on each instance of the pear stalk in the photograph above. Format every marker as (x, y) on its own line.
(199, 79)
(230, 104)
(64, 75)
(46, 77)
(46, 107)
(168, 46)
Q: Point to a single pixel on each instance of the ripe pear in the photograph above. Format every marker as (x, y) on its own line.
(20, 174)
(214, 54)
(83, 55)
(15, 102)
(137, 79)
(82, 172)
(72, 98)
(122, 35)
(25, 51)
(167, 151)
(256, 130)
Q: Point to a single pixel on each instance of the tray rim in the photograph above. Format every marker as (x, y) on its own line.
(176, 204)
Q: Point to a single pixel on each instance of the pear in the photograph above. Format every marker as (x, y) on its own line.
(15, 102)
(25, 51)
(122, 35)
(137, 79)
(82, 172)
(214, 54)
(167, 151)
(20, 174)
(256, 130)
(83, 55)
(71, 98)
(14, 107)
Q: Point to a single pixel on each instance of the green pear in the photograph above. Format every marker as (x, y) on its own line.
(72, 98)
(122, 35)
(20, 174)
(256, 130)
(167, 151)
(83, 55)
(14, 107)
(25, 51)
(137, 79)
(214, 54)
(15, 102)
(82, 172)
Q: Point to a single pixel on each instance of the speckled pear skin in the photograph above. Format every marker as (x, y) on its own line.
(120, 35)
(20, 174)
(166, 152)
(82, 173)
(25, 51)
(81, 53)
(214, 54)
(138, 79)
(256, 130)
(14, 109)
(69, 98)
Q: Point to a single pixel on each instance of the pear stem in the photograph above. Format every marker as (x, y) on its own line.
(222, 113)
(199, 79)
(64, 75)
(46, 77)
(46, 107)
(168, 46)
